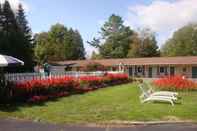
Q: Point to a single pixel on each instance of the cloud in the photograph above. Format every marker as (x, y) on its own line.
(163, 17)
(14, 4)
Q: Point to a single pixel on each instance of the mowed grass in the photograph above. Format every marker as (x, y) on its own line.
(104, 105)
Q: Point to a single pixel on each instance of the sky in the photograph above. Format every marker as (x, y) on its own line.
(162, 16)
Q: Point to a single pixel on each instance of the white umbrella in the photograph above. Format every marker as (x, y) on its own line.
(6, 61)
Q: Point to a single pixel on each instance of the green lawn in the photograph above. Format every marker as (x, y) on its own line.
(114, 103)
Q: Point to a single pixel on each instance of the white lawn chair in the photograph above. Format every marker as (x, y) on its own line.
(158, 98)
(146, 97)
(147, 88)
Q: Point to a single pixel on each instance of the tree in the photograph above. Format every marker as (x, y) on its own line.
(79, 46)
(13, 40)
(143, 44)
(26, 36)
(42, 50)
(183, 42)
(74, 48)
(134, 50)
(56, 41)
(115, 38)
(149, 46)
(94, 66)
(95, 56)
(23, 23)
(59, 43)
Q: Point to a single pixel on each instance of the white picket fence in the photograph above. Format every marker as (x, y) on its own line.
(31, 76)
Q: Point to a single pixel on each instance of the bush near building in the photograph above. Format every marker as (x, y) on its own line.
(177, 82)
(44, 89)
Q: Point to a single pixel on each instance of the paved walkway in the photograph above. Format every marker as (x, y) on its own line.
(13, 125)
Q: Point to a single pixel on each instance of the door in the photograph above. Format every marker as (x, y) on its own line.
(172, 71)
(130, 71)
(194, 72)
(150, 72)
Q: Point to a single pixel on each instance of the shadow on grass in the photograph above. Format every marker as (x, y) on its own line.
(15, 106)
(167, 103)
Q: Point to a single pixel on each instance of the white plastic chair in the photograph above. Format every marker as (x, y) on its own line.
(147, 88)
(146, 97)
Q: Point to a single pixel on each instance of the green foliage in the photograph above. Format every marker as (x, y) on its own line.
(119, 41)
(94, 66)
(42, 50)
(15, 35)
(183, 42)
(143, 44)
(115, 38)
(59, 43)
(74, 48)
(134, 50)
(95, 56)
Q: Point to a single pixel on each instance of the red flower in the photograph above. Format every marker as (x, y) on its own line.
(175, 83)
(43, 89)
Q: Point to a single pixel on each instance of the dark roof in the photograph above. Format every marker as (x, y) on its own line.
(181, 60)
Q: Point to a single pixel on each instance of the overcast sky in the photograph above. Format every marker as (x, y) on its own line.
(162, 16)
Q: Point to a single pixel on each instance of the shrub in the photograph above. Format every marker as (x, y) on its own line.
(175, 83)
(94, 66)
(44, 89)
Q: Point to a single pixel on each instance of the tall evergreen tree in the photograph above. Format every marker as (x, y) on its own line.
(1, 22)
(26, 36)
(134, 50)
(9, 28)
(149, 46)
(79, 45)
(74, 48)
(143, 44)
(13, 39)
(115, 38)
(1, 17)
(23, 23)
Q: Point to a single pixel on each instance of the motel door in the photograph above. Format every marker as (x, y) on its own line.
(172, 71)
(150, 72)
(130, 71)
(194, 72)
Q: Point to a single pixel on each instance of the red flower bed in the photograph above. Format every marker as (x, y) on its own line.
(175, 83)
(44, 98)
(117, 77)
(91, 81)
(44, 89)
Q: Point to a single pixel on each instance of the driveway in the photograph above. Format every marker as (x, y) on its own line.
(15, 125)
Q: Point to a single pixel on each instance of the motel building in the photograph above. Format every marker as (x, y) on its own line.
(152, 67)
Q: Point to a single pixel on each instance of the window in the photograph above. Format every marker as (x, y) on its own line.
(161, 69)
(139, 69)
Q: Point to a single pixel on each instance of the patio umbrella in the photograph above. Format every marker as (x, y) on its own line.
(7, 61)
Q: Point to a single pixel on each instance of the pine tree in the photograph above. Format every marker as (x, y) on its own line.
(9, 29)
(1, 26)
(9, 20)
(149, 46)
(23, 23)
(143, 44)
(13, 39)
(79, 47)
(1, 17)
(115, 38)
